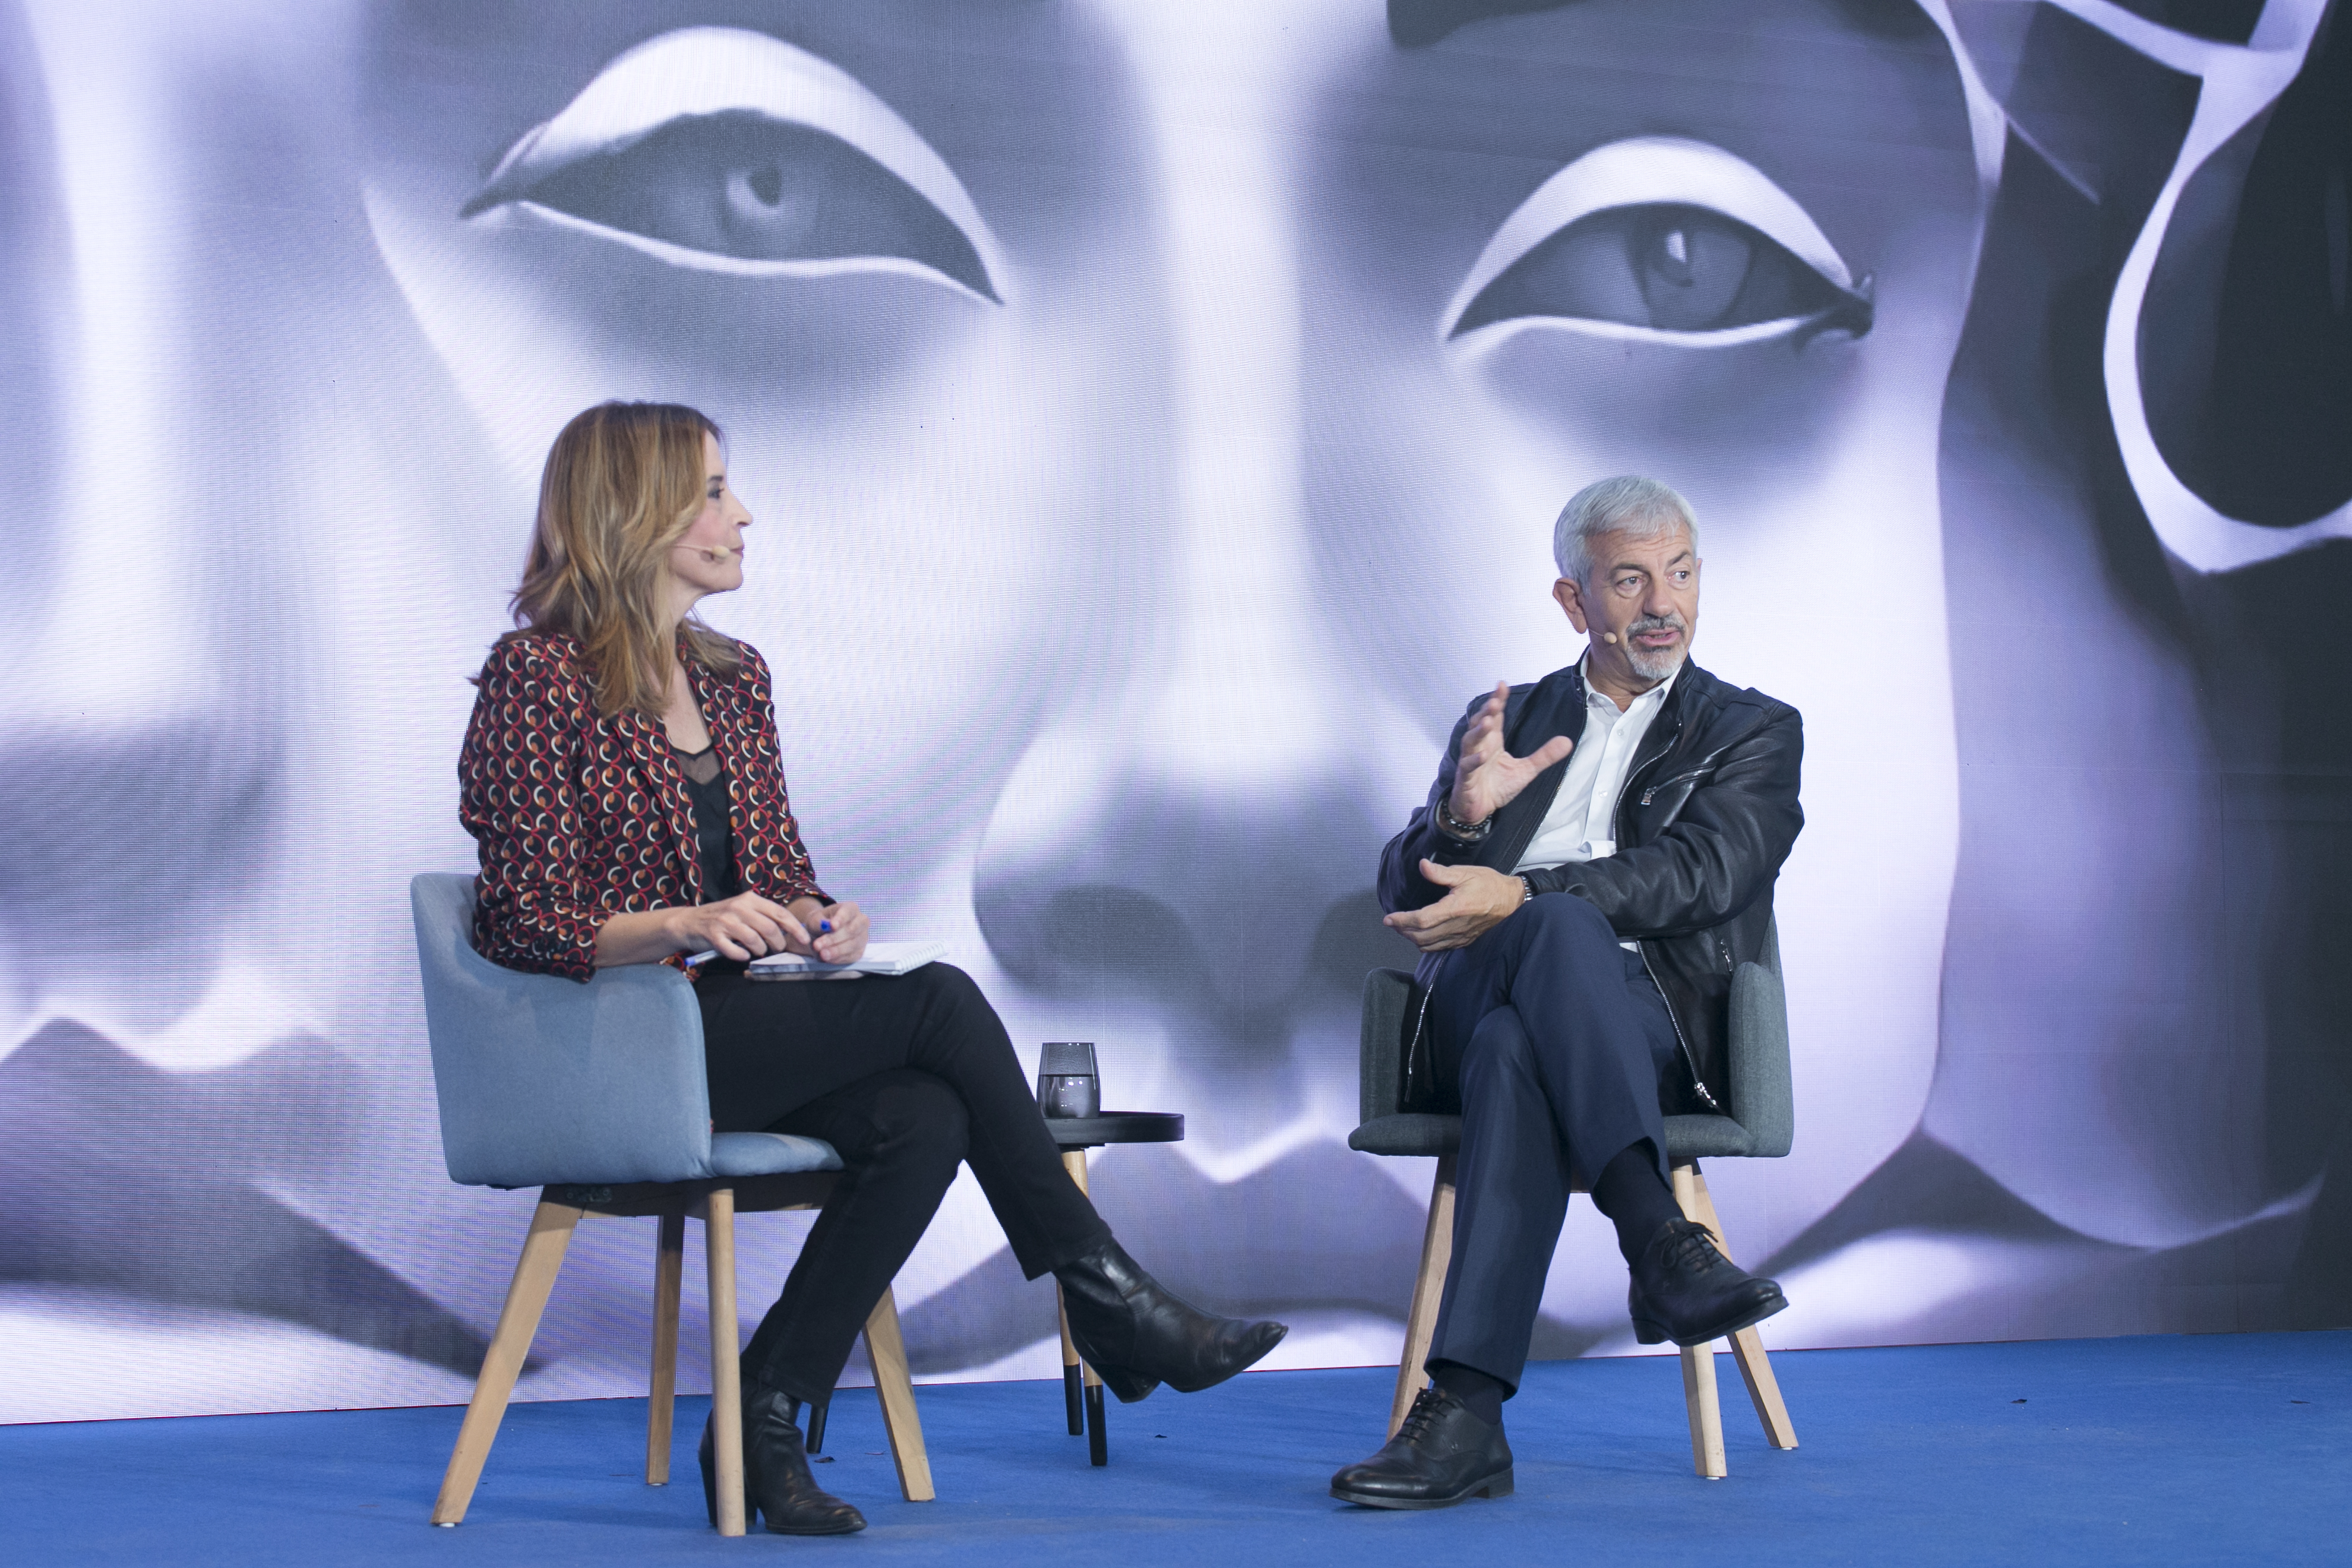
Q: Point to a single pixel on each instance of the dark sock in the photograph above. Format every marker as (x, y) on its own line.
(1637, 1203)
(1482, 1394)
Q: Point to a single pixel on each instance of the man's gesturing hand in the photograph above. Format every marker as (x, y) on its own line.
(1476, 901)
(1486, 778)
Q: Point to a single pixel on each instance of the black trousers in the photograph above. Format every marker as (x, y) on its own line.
(1552, 1042)
(906, 1076)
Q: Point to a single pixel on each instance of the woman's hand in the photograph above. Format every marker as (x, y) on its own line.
(844, 942)
(744, 927)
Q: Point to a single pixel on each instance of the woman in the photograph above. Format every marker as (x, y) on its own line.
(622, 775)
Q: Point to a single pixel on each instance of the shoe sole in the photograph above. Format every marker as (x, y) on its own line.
(1270, 1344)
(1126, 1387)
(1498, 1485)
(1120, 1381)
(1650, 1332)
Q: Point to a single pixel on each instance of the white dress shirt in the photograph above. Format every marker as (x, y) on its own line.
(1578, 825)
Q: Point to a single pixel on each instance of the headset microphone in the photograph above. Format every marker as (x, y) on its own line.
(1610, 637)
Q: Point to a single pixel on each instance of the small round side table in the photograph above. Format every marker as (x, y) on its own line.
(1082, 1391)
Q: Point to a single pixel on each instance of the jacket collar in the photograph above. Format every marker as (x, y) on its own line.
(648, 743)
(719, 715)
(1556, 705)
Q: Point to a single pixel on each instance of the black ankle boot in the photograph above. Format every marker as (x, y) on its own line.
(776, 1480)
(1137, 1334)
(1686, 1291)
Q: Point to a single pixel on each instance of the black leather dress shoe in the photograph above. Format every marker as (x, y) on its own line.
(1686, 1291)
(776, 1480)
(1137, 1334)
(1441, 1454)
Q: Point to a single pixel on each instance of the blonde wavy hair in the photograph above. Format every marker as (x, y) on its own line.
(622, 484)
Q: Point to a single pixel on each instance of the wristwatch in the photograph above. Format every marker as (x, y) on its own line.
(1458, 830)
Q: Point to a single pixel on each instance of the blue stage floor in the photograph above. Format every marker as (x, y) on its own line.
(2158, 1451)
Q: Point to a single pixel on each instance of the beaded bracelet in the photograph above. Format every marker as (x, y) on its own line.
(1454, 827)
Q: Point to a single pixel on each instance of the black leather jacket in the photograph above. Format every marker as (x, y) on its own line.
(1707, 815)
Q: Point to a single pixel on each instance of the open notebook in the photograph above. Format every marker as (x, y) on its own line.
(881, 958)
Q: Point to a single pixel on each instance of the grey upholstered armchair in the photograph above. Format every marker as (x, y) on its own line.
(596, 1094)
(1761, 1124)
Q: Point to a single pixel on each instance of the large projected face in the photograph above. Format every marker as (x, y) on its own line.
(1155, 416)
(1159, 430)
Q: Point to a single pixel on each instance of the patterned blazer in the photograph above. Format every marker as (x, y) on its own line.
(579, 817)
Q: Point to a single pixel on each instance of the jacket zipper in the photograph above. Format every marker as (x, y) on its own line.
(1689, 1061)
(1651, 794)
(1413, 1049)
(1616, 824)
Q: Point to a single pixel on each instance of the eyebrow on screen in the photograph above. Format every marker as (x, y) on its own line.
(1414, 24)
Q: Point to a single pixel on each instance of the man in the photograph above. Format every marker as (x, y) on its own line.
(1594, 863)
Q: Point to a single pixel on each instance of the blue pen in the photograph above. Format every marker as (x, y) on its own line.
(824, 928)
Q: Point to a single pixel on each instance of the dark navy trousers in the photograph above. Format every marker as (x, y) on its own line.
(1553, 1043)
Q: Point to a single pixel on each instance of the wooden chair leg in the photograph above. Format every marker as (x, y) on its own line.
(1705, 1414)
(1428, 1286)
(717, 1212)
(1074, 1371)
(1706, 1411)
(1072, 1379)
(887, 1348)
(1763, 1388)
(543, 1247)
(1748, 1345)
(1093, 1415)
(661, 1391)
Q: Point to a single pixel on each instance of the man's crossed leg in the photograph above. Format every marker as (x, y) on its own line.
(1552, 1041)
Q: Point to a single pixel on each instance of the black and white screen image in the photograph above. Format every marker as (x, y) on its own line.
(1153, 417)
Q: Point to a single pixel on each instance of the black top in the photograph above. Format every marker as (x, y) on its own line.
(714, 842)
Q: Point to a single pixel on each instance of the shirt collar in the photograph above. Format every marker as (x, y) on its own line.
(1655, 696)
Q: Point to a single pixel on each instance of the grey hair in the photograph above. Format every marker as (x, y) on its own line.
(1628, 504)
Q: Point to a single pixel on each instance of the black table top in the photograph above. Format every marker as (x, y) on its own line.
(1116, 1127)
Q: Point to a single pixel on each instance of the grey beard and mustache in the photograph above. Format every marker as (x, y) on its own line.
(1655, 666)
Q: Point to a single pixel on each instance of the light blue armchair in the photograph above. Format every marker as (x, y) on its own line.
(1762, 1124)
(595, 1093)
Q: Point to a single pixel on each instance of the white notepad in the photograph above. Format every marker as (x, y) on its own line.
(881, 958)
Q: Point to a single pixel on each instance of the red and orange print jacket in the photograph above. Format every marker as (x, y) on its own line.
(579, 817)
